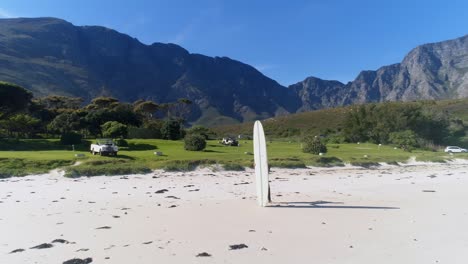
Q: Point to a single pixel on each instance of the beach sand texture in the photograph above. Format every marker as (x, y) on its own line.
(391, 214)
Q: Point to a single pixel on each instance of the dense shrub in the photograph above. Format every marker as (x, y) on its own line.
(114, 129)
(407, 140)
(171, 130)
(194, 142)
(314, 145)
(375, 122)
(203, 131)
(70, 138)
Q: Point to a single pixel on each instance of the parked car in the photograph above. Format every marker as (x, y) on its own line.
(454, 149)
(103, 147)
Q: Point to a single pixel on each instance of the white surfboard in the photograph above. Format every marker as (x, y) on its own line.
(261, 164)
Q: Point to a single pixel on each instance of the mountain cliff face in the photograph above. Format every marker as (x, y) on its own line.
(431, 71)
(52, 56)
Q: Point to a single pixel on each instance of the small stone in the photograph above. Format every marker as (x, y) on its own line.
(78, 261)
(17, 250)
(59, 240)
(104, 227)
(237, 246)
(43, 246)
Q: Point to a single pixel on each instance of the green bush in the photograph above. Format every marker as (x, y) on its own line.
(70, 138)
(194, 142)
(313, 145)
(203, 131)
(171, 130)
(114, 129)
(407, 140)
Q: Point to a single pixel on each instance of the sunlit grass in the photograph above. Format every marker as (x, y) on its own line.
(140, 157)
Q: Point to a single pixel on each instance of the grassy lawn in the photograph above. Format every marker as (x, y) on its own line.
(139, 157)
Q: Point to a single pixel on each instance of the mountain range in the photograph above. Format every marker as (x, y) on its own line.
(53, 56)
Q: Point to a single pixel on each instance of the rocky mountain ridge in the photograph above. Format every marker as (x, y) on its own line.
(53, 56)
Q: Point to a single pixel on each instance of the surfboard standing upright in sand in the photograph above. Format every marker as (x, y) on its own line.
(261, 164)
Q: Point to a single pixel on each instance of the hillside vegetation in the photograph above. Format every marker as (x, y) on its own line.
(329, 121)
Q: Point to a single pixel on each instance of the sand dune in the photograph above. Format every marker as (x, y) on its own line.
(391, 214)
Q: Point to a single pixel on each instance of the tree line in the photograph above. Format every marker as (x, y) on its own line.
(22, 116)
(408, 125)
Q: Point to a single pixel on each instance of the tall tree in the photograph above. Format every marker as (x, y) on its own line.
(56, 102)
(13, 99)
(146, 108)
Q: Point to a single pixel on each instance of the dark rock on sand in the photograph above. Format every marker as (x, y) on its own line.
(203, 254)
(42, 246)
(104, 227)
(78, 261)
(237, 246)
(59, 240)
(17, 250)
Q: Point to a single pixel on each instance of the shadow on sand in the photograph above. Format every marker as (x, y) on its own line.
(324, 205)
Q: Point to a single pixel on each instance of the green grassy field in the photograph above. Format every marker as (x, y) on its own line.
(139, 157)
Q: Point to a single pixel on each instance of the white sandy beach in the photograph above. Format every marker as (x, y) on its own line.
(392, 214)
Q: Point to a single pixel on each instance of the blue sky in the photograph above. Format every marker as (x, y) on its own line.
(286, 40)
